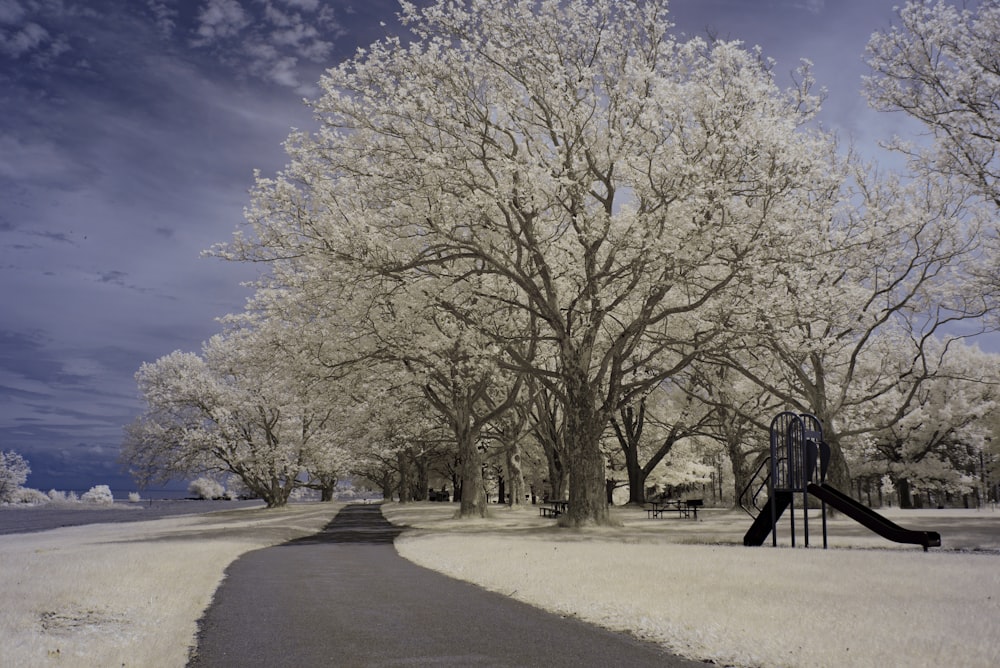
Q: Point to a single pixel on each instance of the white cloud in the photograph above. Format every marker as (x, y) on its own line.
(11, 12)
(307, 5)
(29, 38)
(220, 19)
(163, 15)
(812, 6)
(270, 39)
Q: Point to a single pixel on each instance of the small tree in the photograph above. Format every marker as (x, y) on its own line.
(206, 488)
(14, 471)
(99, 495)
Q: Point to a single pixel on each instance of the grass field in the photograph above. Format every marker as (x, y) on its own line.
(130, 594)
(694, 588)
(127, 594)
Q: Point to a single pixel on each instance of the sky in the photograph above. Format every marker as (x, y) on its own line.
(129, 135)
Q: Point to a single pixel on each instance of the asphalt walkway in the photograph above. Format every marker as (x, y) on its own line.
(345, 598)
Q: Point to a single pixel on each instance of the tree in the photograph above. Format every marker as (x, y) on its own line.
(936, 445)
(14, 472)
(894, 269)
(665, 417)
(941, 66)
(236, 409)
(620, 188)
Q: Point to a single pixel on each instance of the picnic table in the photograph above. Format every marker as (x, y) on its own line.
(684, 508)
(553, 508)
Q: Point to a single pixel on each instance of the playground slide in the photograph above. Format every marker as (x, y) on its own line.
(761, 527)
(870, 519)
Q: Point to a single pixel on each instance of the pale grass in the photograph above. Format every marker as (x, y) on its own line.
(127, 594)
(692, 586)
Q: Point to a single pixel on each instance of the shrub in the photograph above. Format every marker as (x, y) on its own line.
(63, 497)
(99, 494)
(133, 497)
(14, 471)
(206, 488)
(29, 496)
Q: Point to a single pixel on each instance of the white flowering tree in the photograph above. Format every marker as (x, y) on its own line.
(940, 66)
(620, 189)
(14, 472)
(236, 409)
(936, 443)
(648, 429)
(894, 270)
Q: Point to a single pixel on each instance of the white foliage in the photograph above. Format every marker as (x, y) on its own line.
(939, 66)
(29, 496)
(206, 488)
(14, 472)
(99, 495)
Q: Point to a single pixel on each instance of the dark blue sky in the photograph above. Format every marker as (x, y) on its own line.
(129, 132)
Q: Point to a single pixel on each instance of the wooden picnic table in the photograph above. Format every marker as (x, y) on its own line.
(553, 508)
(683, 508)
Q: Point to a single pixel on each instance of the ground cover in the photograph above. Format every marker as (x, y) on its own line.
(693, 587)
(128, 594)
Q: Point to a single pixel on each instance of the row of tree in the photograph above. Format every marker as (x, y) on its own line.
(537, 226)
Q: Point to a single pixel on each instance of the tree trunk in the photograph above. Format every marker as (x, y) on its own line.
(905, 493)
(405, 476)
(470, 466)
(584, 427)
(473, 497)
(385, 483)
(558, 480)
(838, 475)
(636, 477)
(515, 474)
(422, 483)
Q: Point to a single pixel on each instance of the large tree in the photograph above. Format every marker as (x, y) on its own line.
(621, 188)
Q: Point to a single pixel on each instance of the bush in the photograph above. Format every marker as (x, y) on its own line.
(133, 497)
(99, 495)
(29, 496)
(63, 497)
(14, 471)
(206, 488)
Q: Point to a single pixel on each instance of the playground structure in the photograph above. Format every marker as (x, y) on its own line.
(797, 466)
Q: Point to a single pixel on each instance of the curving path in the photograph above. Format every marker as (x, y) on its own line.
(345, 598)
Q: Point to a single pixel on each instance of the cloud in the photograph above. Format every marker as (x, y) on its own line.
(308, 5)
(221, 19)
(11, 12)
(269, 40)
(28, 38)
(164, 17)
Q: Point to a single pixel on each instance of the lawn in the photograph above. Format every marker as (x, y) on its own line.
(130, 594)
(127, 594)
(693, 587)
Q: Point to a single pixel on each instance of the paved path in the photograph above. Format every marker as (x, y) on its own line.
(345, 598)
